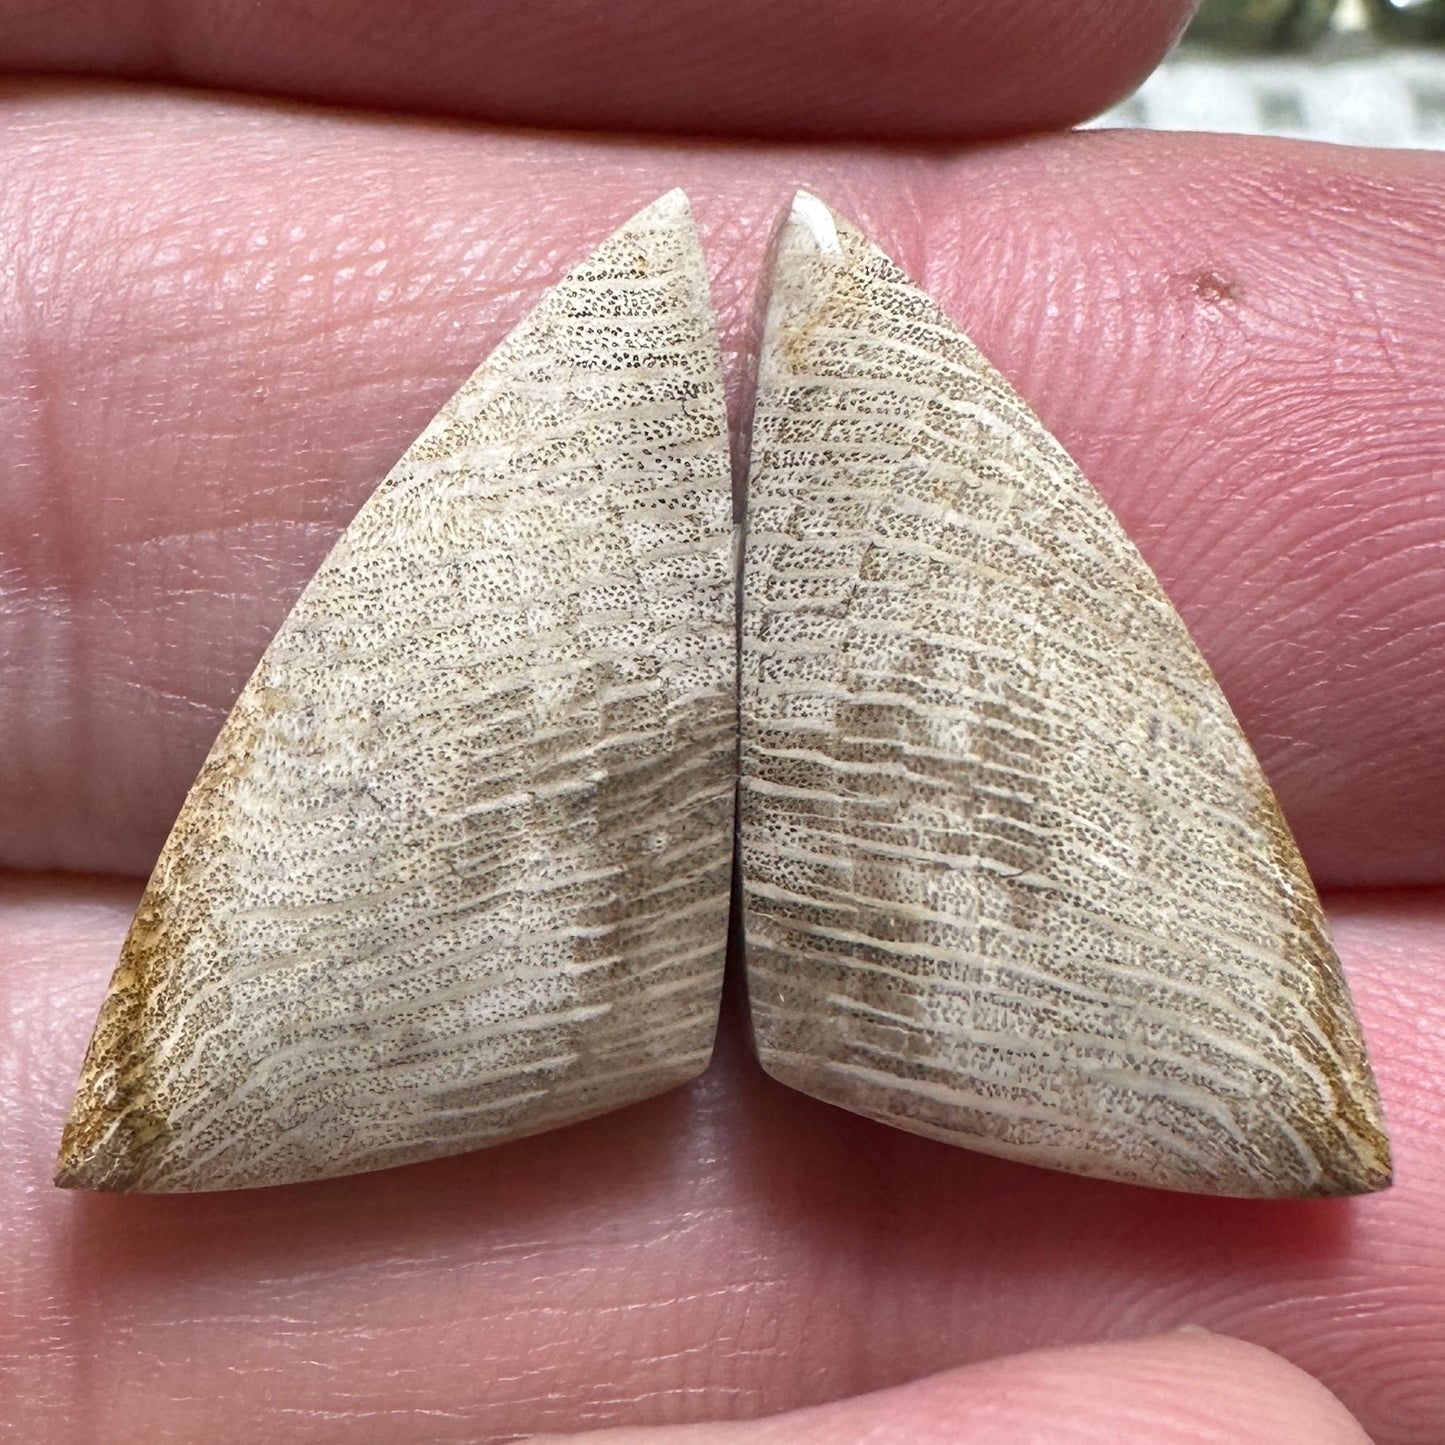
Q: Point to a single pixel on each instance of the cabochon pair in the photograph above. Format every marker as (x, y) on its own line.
(458, 867)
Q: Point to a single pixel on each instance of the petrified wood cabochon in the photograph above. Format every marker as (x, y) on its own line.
(457, 868)
(1013, 877)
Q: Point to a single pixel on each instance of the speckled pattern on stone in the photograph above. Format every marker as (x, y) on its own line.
(457, 868)
(1013, 877)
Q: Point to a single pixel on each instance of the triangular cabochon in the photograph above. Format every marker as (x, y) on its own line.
(457, 867)
(1013, 877)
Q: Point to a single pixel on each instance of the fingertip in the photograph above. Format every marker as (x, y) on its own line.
(774, 68)
(1189, 1387)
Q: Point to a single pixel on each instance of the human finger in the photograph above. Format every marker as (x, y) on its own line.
(224, 323)
(1182, 1389)
(733, 1249)
(789, 69)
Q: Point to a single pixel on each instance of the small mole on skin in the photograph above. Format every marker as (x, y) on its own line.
(1212, 289)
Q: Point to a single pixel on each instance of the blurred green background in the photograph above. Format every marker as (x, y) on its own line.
(1359, 72)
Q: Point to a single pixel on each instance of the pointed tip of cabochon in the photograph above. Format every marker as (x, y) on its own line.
(1359, 1163)
(105, 1148)
(73, 1171)
(667, 221)
(670, 208)
(1370, 1173)
(667, 228)
(816, 222)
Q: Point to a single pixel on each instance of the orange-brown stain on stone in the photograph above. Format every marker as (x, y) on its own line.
(117, 1123)
(1351, 1137)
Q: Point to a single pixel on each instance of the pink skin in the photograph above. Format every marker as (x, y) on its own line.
(1182, 1389)
(800, 69)
(227, 318)
(732, 1249)
(216, 356)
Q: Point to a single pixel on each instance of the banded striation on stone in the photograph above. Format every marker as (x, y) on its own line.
(1012, 875)
(457, 867)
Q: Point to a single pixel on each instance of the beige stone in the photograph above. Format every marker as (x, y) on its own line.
(1013, 877)
(457, 868)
